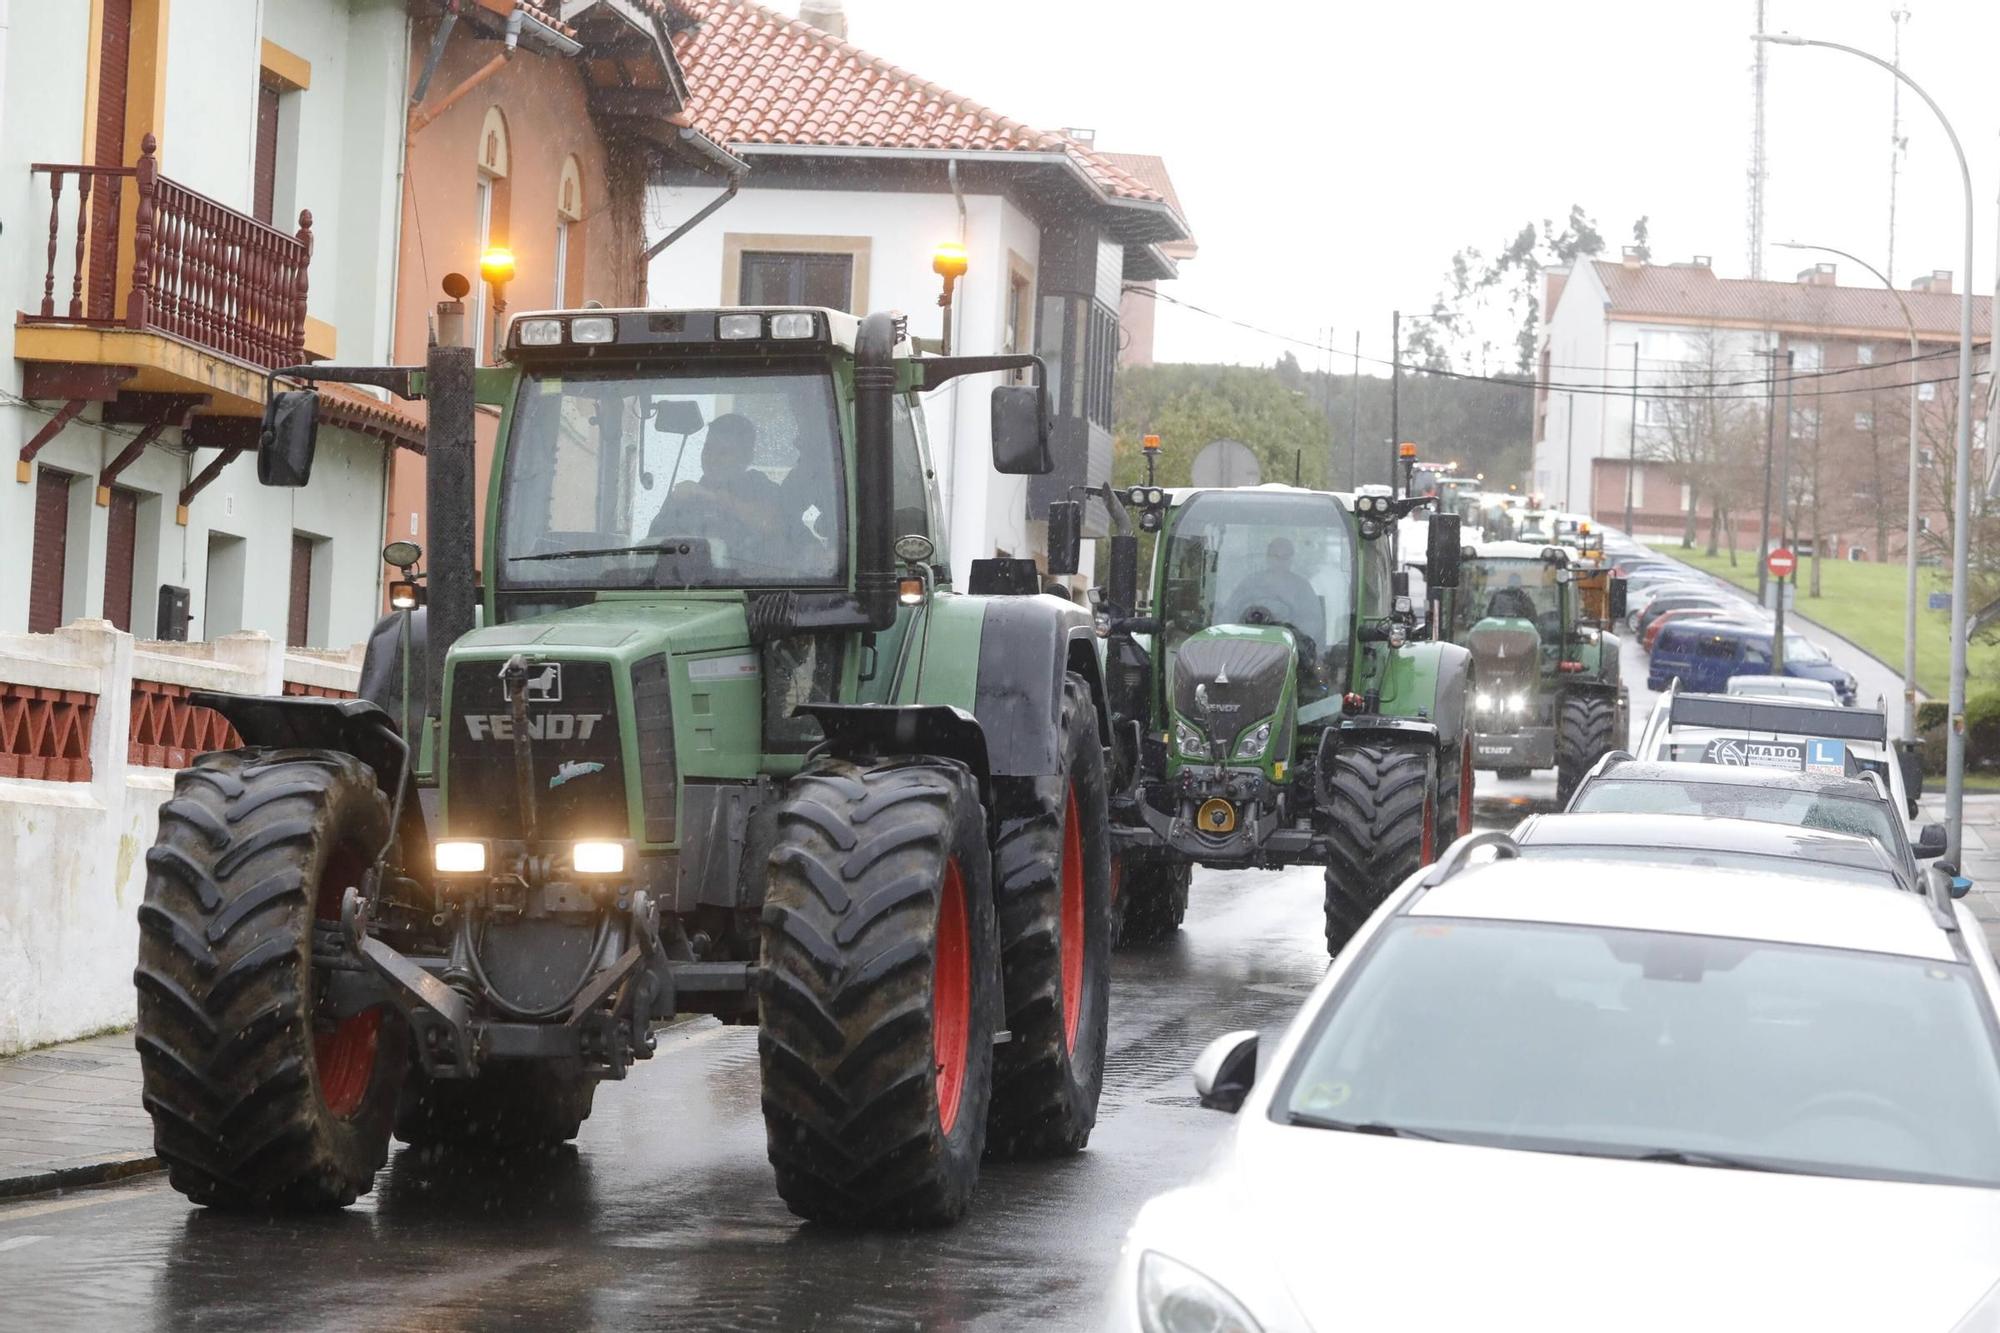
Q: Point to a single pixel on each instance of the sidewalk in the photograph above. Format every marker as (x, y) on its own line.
(70, 1116)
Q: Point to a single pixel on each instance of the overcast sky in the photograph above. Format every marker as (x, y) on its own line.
(1331, 156)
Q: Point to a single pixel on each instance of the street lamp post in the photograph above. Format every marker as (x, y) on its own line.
(1569, 449)
(1910, 528)
(1961, 536)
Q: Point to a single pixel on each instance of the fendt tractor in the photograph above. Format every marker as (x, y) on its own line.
(725, 740)
(1537, 620)
(1272, 705)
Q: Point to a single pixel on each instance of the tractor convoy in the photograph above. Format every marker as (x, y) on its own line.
(711, 731)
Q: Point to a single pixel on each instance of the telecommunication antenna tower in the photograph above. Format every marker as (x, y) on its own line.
(1898, 145)
(1757, 152)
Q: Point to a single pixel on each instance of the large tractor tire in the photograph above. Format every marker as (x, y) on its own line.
(1052, 881)
(257, 1099)
(1583, 736)
(1456, 776)
(881, 984)
(510, 1105)
(1151, 900)
(1381, 822)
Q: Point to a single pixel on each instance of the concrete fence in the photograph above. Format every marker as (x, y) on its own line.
(93, 725)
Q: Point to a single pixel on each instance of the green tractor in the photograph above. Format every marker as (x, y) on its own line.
(724, 740)
(1537, 620)
(1272, 705)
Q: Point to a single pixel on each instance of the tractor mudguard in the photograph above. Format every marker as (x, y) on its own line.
(1430, 685)
(1026, 646)
(382, 667)
(350, 726)
(868, 731)
(1394, 730)
(1588, 685)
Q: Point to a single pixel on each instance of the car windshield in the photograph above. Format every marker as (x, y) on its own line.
(1250, 557)
(1510, 590)
(618, 478)
(1794, 807)
(1637, 1044)
(1870, 873)
(1803, 650)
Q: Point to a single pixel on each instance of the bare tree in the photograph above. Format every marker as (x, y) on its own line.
(1697, 432)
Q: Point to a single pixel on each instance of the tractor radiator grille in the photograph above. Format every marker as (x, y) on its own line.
(578, 774)
(653, 718)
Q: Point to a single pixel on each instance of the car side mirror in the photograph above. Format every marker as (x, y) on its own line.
(1616, 598)
(1020, 435)
(1225, 1070)
(285, 448)
(1910, 759)
(1065, 536)
(1932, 841)
(1442, 557)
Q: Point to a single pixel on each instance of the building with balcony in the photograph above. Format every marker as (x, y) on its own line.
(179, 198)
(857, 171)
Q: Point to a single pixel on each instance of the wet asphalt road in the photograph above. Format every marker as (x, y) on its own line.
(663, 1216)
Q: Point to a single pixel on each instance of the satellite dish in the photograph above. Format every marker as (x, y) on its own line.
(1226, 463)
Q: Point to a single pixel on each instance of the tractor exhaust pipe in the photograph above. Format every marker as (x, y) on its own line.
(874, 468)
(448, 485)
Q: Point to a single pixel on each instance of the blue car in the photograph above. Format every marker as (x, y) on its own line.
(1704, 654)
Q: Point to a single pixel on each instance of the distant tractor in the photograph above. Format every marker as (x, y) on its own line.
(1271, 705)
(725, 741)
(1537, 621)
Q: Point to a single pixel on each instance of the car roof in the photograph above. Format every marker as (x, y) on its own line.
(1750, 836)
(1727, 775)
(1712, 901)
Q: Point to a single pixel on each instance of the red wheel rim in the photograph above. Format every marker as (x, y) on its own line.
(1072, 919)
(344, 1056)
(346, 1060)
(1465, 788)
(951, 996)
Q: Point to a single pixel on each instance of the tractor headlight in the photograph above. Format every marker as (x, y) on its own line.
(1517, 703)
(594, 857)
(740, 326)
(1252, 743)
(1189, 741)
(539, 332)
(593, 329)
(793, 324)
(1483, 702)
(459, 856)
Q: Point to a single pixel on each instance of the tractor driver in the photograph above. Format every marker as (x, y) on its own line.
(1282, 591)
(732, 498)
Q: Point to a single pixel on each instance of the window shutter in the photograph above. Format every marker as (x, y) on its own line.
(264, 199)
(49, 567)
(300, 616)
(120, 546)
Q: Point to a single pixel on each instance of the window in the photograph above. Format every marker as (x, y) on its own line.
(1864, 421)
(1926, 457)
(1655, 412)
(1687, 497)
(1666, 345)
(1864, 355)
(1927, 391)
(909, 499)
(1019, 316)
(1805, 421)
(49, 568)
(120, 547)
(1100, 361)
(798, 279)
(1807, 358)
(567, 284)
(282, 76)
(264, 192)
(490, 200)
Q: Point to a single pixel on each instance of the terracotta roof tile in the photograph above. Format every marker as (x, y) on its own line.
(759, 77)
(1693, 292)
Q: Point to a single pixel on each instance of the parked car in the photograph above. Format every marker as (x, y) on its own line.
(1729, 614)
(1705, 655)
(1621, 1096)
(1731, 844)
(1783, 687)
(1834, 802)
(1708, 600)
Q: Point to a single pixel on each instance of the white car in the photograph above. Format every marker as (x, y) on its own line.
(1784, 687)
(1617, 1097)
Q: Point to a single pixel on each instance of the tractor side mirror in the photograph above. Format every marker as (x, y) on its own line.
(1910, 758)
(1065, 536)
(1615, 599)
(1442, 558)
(1932, 842)
(285, 449)
(1020, 436)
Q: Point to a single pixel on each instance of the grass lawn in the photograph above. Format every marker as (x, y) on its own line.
(1863, 603)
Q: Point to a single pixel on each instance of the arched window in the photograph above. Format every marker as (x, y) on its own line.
(490, 221)
(568, 284)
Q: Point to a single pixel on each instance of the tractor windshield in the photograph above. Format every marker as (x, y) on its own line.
(1510, 590)
(704, 477)
(1264, 557)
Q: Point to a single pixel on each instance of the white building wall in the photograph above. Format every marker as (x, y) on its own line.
(987, 511)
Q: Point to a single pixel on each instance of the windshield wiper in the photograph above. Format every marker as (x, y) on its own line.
(670, 546)
(1680, 1157)
(1308, 1120)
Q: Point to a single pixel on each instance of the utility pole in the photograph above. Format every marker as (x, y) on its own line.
(1395, 390)
(1569, 448)
(1770, 433)
(1354, 421)
(1784, 509)
(1632, 441)
(1757, 154)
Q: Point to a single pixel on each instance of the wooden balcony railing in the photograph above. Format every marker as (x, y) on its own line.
(200, 272)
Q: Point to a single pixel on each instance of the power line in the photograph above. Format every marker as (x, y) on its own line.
(1683, 389)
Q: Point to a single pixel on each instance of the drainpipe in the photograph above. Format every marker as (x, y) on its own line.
(422, 116)
(961, 495)
(735, 167)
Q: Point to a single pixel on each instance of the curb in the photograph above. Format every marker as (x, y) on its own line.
(119, 1166)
